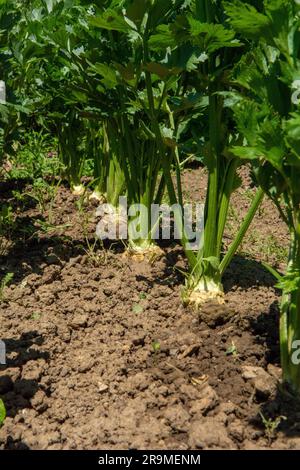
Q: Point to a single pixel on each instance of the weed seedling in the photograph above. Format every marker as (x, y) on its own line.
(2, 412)
(137, 308)
(36, 316)
(271, 426)
(7, 226)
(97, 257)
(155, 348)
(45, 194)
(4, 283)
(232, 350)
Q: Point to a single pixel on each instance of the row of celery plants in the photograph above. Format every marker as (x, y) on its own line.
(176, 57)
(121, 80)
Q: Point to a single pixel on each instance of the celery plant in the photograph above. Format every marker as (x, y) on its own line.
(269, 118)
(213, 50)
(139, 84)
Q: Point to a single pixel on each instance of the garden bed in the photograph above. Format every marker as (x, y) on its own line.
(101, 354)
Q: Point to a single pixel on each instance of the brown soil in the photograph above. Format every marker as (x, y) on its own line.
(102, 355)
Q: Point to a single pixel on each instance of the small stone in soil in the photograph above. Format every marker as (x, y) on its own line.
(79, 321)
(264, 384)
(102, 387)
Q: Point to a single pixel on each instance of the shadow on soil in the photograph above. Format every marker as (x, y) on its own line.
(16, 391)
(282, 411)
(246, 273)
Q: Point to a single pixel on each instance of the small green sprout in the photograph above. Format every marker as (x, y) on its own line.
(271, 425)
(155, 347)
(4, 283)
(137, 308)
(2, 412)
(232, 350)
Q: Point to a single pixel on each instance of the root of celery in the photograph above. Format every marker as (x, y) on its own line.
(198, 299)
(147, 252)
(78, 190)
(203, 293)
(209, 304)
(98, 196)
